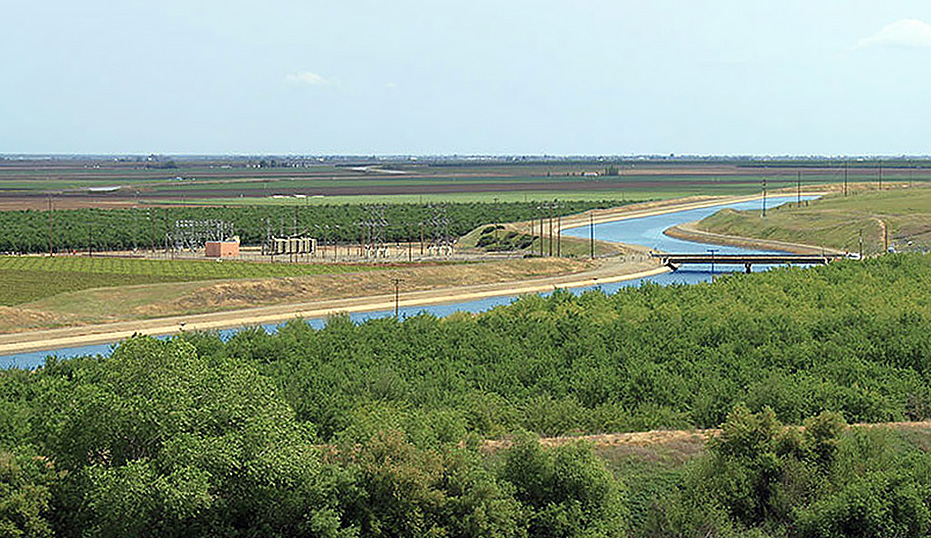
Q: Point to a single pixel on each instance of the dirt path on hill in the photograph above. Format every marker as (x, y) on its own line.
(691, 441)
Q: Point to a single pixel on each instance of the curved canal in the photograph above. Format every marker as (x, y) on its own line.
(646, 231)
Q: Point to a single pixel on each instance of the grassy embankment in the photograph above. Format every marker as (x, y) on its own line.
(901, 216)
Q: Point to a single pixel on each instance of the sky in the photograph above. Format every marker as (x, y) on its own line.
(428, 77)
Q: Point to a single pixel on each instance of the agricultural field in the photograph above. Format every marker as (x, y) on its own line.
(153, 180)
(29, 278)
(898, 218)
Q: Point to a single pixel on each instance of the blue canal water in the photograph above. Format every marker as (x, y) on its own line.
(646, 231)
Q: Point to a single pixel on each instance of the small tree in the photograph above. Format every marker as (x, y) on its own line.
(566, 492)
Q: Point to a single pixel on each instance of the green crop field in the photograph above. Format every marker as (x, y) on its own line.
(29, 278)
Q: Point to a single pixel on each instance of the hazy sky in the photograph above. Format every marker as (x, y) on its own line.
(474, 76)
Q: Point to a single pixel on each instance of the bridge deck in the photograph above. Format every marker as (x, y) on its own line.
(747, 260)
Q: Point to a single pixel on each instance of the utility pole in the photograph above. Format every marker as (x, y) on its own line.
(860, 243)
(151, 231)
(798, 189)
(496, 221)
(542, 238)
(397, 296)
(361, 237)
(558, 230)
(293, 255)
(591, 232)
(880, 175)
(531, 233)
(549, 208)
(712, 251)
(135, 213)
(764, 199)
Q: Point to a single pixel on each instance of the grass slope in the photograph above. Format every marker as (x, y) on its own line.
(839, 222)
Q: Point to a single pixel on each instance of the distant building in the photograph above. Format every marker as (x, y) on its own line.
(222, 249)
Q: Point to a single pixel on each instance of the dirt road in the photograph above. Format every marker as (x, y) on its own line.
(689, 441)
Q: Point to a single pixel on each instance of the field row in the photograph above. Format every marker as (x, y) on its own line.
(29, 278)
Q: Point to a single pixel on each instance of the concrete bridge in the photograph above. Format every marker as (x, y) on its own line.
(674, 261)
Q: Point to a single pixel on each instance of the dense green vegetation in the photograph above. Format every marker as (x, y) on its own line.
(28, 278)
(760, 479)
(898, 218)
(374, 429)
(852, 337)
(118, 229)
(164, 440)
(498, 238)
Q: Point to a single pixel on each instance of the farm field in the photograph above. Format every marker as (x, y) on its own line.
(898, 217)
(128, 182)
(30, 278)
